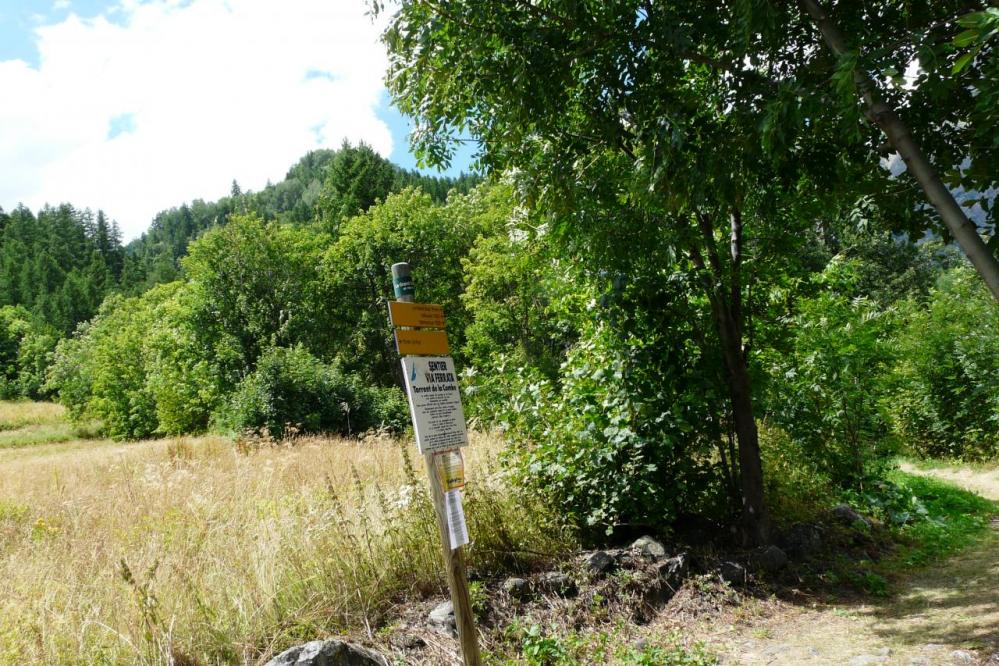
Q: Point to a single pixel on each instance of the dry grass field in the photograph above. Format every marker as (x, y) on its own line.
(199, 550)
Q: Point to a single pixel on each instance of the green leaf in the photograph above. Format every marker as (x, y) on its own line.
(963, 61)
(966, 38)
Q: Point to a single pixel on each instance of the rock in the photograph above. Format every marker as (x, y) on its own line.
(775, 650)
(883, 652)
(407, 642)
(813, 652)
(962, 657)
(768, 558)
(442, 617)
(663, 585)
(599, 562)
(517, 588)
(919, 661)
(625, 559)
(673, 571)
(558, 584)
(328, 653)
(732, 573)
(641, 645)
(802, 540)
(649, 548)
(932, 647)
(849, 516)
(868, 660)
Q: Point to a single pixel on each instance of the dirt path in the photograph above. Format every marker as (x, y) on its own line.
(948, 614)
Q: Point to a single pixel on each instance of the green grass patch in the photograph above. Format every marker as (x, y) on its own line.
(26, 423)
(528, 642)
(926, 464)
(17, 414)
(42, 434)
(953, 519)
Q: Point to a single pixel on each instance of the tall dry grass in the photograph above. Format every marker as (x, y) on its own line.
(188, 551)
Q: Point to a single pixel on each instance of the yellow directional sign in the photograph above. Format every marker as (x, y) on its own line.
(422, 343)
(416, 315)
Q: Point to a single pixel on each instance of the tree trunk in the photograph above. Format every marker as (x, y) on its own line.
(882, 115)
(726, 311)
(755, 519)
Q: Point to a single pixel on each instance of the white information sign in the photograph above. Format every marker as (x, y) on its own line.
(435, 402)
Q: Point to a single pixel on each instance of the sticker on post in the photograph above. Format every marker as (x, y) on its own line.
(435, 403)
(457, 530)
(450, 466)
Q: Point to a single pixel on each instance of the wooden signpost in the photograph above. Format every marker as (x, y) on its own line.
(439, 424)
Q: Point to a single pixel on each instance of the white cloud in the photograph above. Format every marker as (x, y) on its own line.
(167, 102)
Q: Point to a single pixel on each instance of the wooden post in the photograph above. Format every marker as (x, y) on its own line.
(454, 560)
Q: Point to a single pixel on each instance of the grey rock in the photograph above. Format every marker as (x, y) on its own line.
(868, 660)
(883, 652)
(625, 559)
(649, 547)
(849, 516)
(962, 657)
(932, 647)
(518, 588)
(813, 652)
(802, 540)
(775, 650)
(663, 585)
(768, 558)
(641, 645)
(732, 573)
(442, 617)
(919, 661)
(407, 642)
(558, 584)
(328, 653)
(599, 562)
(673, 571)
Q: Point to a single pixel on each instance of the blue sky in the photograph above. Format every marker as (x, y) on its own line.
(133, 106)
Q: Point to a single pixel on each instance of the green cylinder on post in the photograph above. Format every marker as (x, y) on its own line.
(402, 282)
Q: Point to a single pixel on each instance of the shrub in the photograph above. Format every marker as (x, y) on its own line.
(625, 421)
(947, 380)
(291, 387)
(796, 489)
(25, 346)
(827, 389)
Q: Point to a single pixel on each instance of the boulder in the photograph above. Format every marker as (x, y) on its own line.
(599, 562)
(517, 588)
(328, 653)
(558, 584)
(673, 571)
(770, 559)
(442, 618)
(649, 548)
(666, 581)
(802, 540)
(732, 573)
(407, 642)
(847, 515)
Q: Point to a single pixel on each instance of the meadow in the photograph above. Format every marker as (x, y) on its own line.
(204, 550)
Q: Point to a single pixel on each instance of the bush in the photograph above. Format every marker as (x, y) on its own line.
(828, 388)
(947, 380)
(25, 347)
(624, 422)
(796, 489)
(291, 387)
